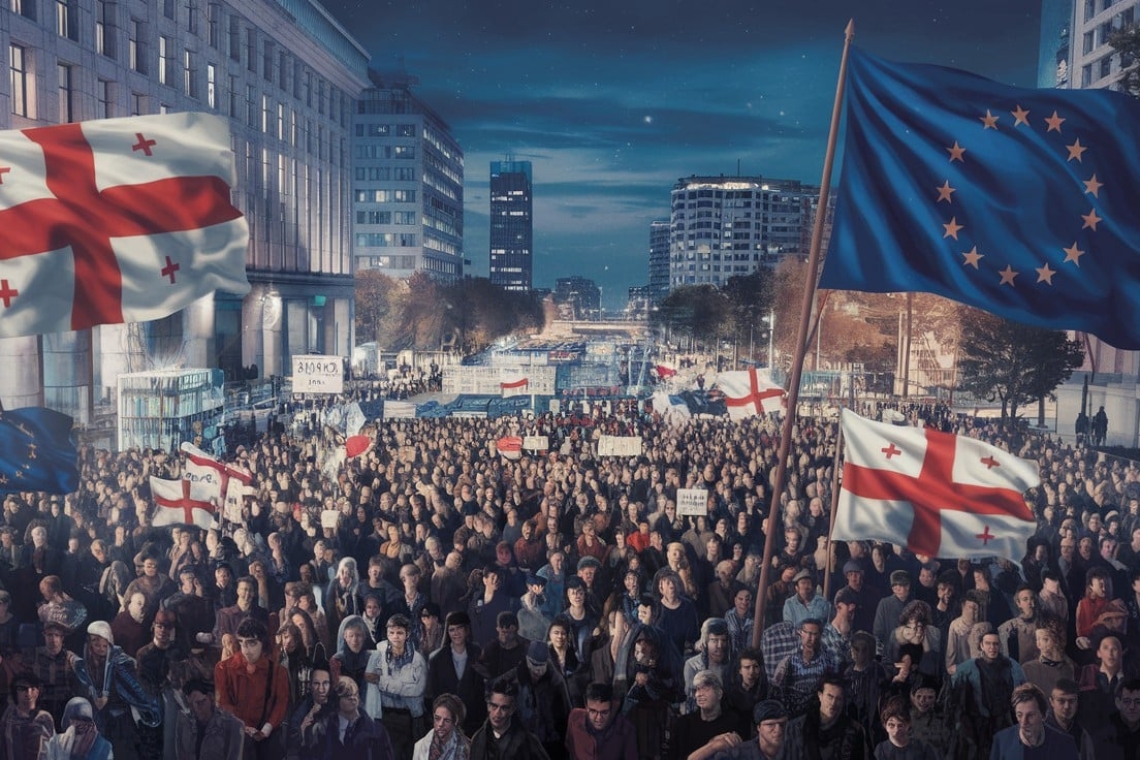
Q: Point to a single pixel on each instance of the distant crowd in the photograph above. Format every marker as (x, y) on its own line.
(466, 605)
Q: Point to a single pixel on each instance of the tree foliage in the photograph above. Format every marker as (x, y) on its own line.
(421, 313)
(1012, 362)
(698, 311)
(1126, 41)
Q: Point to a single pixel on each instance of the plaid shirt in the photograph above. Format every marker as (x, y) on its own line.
(778, 641)
(837, 645)
(60, 682)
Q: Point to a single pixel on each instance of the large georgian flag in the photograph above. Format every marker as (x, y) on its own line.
(750, 393)
(118, 220)
(936, 493)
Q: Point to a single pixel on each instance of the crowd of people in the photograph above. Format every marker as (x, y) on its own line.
(466, 605)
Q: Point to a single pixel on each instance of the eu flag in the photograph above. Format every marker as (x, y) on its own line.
(1021, 202)
(36, 451)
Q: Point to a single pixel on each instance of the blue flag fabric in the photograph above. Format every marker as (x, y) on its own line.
(1021, 202)
(36, 451)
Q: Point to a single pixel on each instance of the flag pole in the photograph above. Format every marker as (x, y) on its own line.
(798, 360)
(834, 507)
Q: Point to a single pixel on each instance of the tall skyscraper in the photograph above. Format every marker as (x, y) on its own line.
(512, 225)
(407, 184)
(722, 227)
(658, 260)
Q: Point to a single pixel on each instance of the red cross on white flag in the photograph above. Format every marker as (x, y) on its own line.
(182, 502)
(93, 228)
(750, 393)
(936, 493)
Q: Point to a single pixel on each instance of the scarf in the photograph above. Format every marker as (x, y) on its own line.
(443, 749)
(396, 663)
(85, 735)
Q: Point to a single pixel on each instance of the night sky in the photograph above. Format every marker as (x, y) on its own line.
(614, 100)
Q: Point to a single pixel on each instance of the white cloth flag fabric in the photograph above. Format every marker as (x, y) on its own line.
(936, 493)
(116, 220)
(750, 393)
(514, 384)
(182, 502)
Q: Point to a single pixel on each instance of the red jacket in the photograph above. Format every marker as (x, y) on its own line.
(244, 694)
(617, 742)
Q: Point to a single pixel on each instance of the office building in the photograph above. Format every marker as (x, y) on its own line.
(512, 225)
(288, 76)
(658, 260)
(407, 184)
(583, 296)
(722, 227)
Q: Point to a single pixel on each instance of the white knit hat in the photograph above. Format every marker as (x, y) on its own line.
(102, 630)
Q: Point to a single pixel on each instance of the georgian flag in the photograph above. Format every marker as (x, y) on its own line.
(750, 393)
(116, 220)
(936, 493)
(182, 502)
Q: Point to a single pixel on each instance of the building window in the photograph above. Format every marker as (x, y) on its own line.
(26, 8)
(250, 106)
(18, 69)
(65, 20)
(1087, 45)
(136, 46)
(405, 130)
(235, 38)
(190, 73)
(267, 61)
(168, 8)
(280, 121)
(213, 24)
(192, 16)
(283, 72)
(138, 104)
(103, 107)
(105, 28)
(211, 85)
(1105, 66)
(251, 50)
(265, 114)
(165, 62)
(65, 93)
(321, 96)
(1086, 75)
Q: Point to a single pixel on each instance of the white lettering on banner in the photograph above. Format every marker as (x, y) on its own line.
(536, 443)
(318, 374)
(692, 501)
(619, 446)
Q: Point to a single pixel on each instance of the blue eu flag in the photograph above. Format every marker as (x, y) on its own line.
(36, 451)
(1024, 203)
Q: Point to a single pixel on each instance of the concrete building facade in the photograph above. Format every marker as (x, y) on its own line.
(287, 76)
(658, 260)
(407, 184)
(721, 227)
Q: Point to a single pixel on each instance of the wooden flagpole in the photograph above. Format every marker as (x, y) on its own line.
(801, 334)
(834, 506)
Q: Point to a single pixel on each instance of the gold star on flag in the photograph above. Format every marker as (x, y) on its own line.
(952, 228)
(1045, 274)
(1073, 254)
(1020, 116)
(1092, 186)
(1076, 149)
(944, 192)
(972, 257)
(989, 121)
(956, 152)
(1007, 275)
(1091, 220)
(1054, 123)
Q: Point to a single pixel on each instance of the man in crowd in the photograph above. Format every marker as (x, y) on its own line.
(599, 731)
(207, 732)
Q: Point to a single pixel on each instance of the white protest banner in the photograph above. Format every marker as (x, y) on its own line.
(329, 518)
(536, 443)
(619, 446)
(318, 374)
(692, 501)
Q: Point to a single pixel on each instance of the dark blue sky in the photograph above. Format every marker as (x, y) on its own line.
(614, 100)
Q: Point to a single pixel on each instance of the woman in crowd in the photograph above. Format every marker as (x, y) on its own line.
(445, 740)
